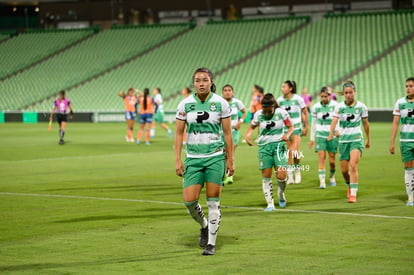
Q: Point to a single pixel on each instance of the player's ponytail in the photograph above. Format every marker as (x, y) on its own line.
(349, 84)
(210, 75)
(146, 93)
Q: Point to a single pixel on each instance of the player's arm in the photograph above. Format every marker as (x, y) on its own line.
(52, 112)
(305, 121)
(248, 135)
(333, 127)
(240, 121)
(313, 132)
(179, 131)
(228, 139)
(394, 129)
(366, 128)
(289, 125)
(121, 94)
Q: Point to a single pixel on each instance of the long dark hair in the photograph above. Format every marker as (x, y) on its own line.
(210, 74)
(269, 101)
(410, 79)
(146, 93)
(291, 84)
(229, 86)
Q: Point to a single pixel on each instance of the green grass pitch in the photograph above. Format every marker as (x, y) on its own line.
(99, 205)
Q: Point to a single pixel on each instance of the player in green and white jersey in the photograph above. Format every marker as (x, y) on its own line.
(236, 107)
(322, 114)
(350, 114)
(207, 116)
(159, 114)
(273, 152)
(296, 107)
(404, 113)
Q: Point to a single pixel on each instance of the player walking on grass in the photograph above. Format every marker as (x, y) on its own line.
(272, 121)
(298, 112)
(61, 107)
(322, 114)
(207, 115)
(236, 106)
(146, 112)
(404, 112)
(130, 101)
(159, 114)
(350, 114)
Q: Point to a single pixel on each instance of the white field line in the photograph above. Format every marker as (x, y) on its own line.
(223, 206)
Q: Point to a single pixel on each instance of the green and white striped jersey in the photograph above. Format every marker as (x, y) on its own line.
(203, 121)
(322, 117)
(159, 101)
(271, 128)
(405, 110)
(236, 105)
(294, 107)
(350, 119)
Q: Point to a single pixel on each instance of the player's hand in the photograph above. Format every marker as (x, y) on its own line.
(304, 132)
(367, 144)
(392, 149)
(237, 126)
(179, 168)
(285, 138)
(311, 143)
(248, 140)
(230, 168)
(330, 137)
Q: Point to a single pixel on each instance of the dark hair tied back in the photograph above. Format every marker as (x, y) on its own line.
(291, 84)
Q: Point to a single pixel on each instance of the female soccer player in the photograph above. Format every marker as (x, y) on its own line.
(350, 113)
(322, 114)
(159, 114)
(146, 111)
(296, 108)
(236, 106)
(61, 106)
(404, 112)
(272, 121)
(206, 115)
(130, 101)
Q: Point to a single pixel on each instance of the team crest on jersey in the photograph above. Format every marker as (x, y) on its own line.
(331, 108)
(213, 107)
(356, 111)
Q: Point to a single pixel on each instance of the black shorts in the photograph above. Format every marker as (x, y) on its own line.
(61, 117)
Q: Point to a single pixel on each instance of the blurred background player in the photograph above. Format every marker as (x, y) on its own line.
(322, 114)
(272, 121)
(404, 112)
(186, 91)
(130, 101)
(350, 114)
(159, 114)
(256, 102)
(236, 107)
(307, 98)
(207, 116)
(146, 112)
(61, 107)
(296, 108)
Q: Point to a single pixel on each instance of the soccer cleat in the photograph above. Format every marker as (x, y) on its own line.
(282, 203)
(322, 185)
(170, 133)
(352, 199)
(290, 180)
(147, 143)
(410, 203)
(332, 182)
(127, 139)
(138, 142)
(209, 250)
(298, 177)
(203, 239)
(61, 142)
(270, 208)
(228, 180)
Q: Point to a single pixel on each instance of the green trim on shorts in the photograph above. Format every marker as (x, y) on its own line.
(273, 154)
(202, 170)
(296, 132)
(407, 151)
(345, 149)
(322, 144)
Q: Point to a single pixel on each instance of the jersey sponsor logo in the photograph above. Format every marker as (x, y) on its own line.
(325, 115)
(288, 108)
(410, 113)
(350, 117)
(201, 116)
(270, 124)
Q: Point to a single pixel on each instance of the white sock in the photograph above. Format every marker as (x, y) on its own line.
(152, 132)
(321, 173)
(196, 212)
(409, 183)
(268, 191)
(213, 219)
(354, 189)
(281, 187)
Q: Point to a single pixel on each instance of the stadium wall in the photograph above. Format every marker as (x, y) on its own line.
(169, 116)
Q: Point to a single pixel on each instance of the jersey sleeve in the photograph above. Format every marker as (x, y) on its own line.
(181, 114)
(396, 111)
(240, 105)
(301, 102)
(285, 117)
(255, 119)
(364, 113)
(226, 109)
(336, 112)
(313, 112)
